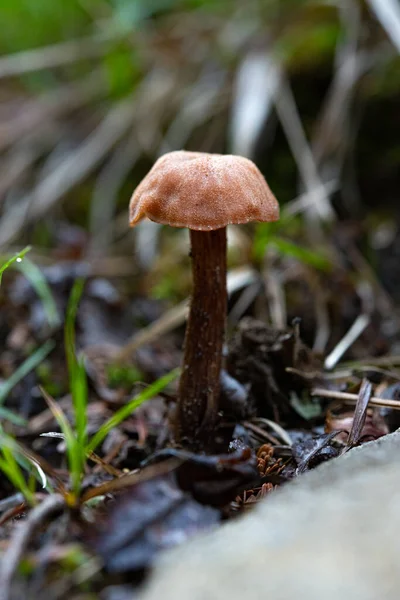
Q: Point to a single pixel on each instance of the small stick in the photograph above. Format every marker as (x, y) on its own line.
(261, 433)
(380, 361)
(285, 437)
(352, 398)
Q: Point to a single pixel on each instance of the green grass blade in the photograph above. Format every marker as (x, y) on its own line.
(10, 467)
(124, 412)
(304, 255)
(14, 474)
(42, 288)
(73, 451)
(76, 369)
(28, 365)
(16, 258)
(12, 417)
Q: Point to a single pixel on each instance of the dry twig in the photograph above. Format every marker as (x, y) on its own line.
(352, 398)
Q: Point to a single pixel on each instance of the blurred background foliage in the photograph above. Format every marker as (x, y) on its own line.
(93, 91)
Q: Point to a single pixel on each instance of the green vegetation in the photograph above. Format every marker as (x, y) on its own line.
(123, 376)
(38, 355)
(13, 259)
(35, 276)
(124, 412)
(271, 235)
(28, 365)
(13, 458)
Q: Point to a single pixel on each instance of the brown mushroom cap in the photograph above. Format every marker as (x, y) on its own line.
(203, 191)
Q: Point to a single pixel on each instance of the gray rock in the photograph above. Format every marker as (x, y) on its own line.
(333, 533)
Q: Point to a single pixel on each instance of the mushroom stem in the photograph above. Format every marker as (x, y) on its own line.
(199, 386)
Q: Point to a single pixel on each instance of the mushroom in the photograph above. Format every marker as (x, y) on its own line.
(204, 192)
